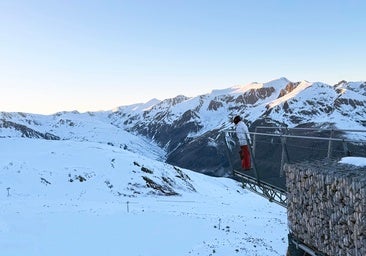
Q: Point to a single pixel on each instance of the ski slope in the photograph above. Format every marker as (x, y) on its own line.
(87, 198)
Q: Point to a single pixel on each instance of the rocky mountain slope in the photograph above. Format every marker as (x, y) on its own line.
(189, 130)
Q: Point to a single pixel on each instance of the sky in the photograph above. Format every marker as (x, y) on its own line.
(98, 55)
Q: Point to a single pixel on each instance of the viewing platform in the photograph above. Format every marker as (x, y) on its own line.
(299, 169)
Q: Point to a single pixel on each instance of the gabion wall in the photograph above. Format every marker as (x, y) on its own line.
(327, 206)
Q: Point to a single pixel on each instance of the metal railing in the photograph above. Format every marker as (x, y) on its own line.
(285, 132)
(272, 147)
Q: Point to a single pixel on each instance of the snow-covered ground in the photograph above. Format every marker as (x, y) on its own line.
(357, 161)
(87, 198)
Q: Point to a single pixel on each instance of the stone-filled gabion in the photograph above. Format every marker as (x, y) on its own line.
(327, 206)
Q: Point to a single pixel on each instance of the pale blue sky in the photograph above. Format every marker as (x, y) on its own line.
(97, 55)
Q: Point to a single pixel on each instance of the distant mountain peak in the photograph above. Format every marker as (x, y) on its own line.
(277, 83)
(189, 126)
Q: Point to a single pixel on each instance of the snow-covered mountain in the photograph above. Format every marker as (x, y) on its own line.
(63, 197)
(189, 129)
(106, 183)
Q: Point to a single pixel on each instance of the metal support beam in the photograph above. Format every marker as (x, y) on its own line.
(272, 193)
(306, 249)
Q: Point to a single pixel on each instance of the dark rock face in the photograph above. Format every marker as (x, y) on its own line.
(254, 95)
(215, 105)
(338, 103)
(289, 88)
(202, 154)
(170, 136)
(26, 131)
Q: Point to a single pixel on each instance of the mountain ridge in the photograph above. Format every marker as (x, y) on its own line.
(189, 129)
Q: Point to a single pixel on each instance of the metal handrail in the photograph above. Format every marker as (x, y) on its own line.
(310, 129)
(303, 137)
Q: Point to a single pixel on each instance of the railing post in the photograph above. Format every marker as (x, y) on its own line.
(254, 139)
(345, 148)
(227, 151)
(330, 144)
(284, 154)
(252, 157)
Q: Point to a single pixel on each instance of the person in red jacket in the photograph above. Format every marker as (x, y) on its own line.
(242, 133)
